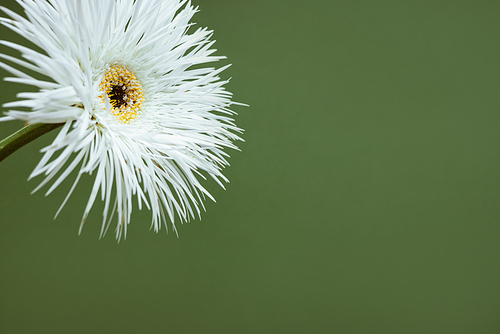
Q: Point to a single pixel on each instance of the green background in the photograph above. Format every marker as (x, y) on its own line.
(365, 199)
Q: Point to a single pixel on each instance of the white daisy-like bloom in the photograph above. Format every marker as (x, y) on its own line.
(138, 111)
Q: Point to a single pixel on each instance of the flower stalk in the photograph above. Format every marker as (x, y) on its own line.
(24, 136)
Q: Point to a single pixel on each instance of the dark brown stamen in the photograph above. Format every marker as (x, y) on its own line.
(116, 96)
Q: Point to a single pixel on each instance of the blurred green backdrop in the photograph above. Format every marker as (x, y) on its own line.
(365, 199)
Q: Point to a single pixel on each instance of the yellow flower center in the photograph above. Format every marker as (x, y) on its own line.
(124, 93)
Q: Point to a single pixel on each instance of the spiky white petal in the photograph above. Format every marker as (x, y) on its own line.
(180, 130)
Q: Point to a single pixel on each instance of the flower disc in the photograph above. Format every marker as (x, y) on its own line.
(123, 92)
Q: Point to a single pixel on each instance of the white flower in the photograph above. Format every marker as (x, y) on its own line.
(137, 115)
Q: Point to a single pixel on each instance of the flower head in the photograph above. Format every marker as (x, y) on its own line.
(137, 113)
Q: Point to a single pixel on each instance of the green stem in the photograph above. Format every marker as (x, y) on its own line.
(22, 137)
